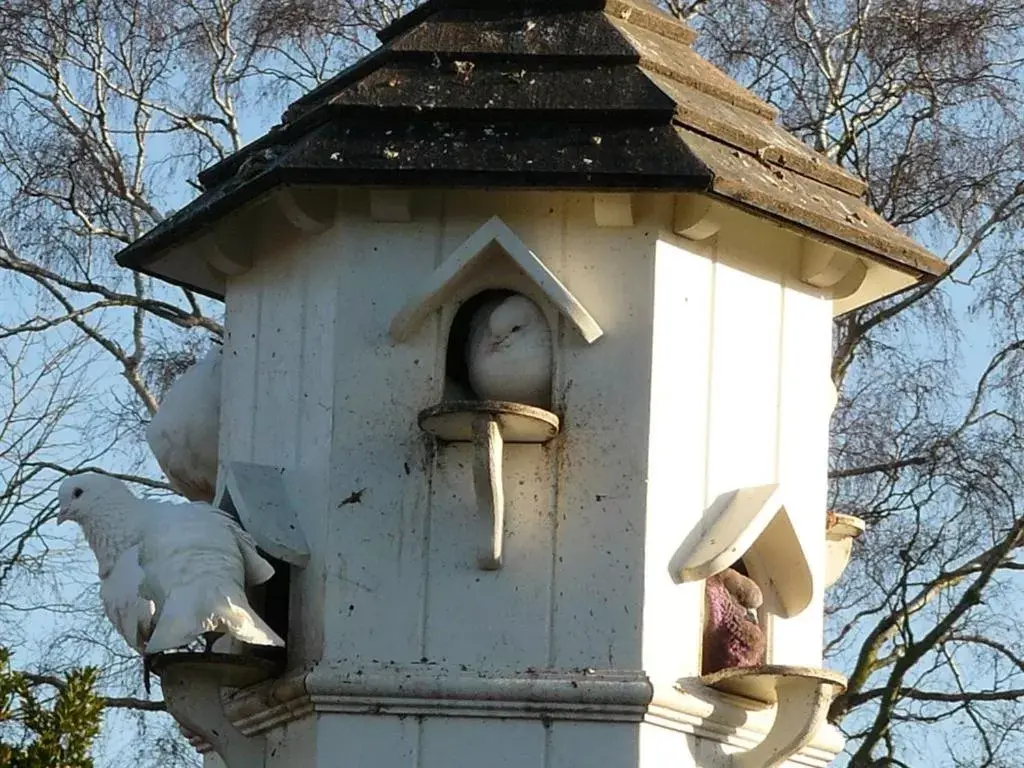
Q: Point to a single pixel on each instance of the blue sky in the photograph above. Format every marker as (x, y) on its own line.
(78, 577)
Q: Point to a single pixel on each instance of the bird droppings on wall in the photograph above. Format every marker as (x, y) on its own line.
(356, 497)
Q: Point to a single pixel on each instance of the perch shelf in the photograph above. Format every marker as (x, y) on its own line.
(839, 537)
(489, 425)
(191, 684)
(802, 695)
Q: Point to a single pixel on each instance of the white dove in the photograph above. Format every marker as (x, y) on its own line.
(508, 352)
(197, 562)
(101, 506)
(184, 431)
(191, 565)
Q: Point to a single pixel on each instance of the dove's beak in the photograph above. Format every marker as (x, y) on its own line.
(63, 516)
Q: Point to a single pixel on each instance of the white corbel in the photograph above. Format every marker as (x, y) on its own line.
(309, 209)
(613, 210)
(226, 255)
(394, 205)
(839, 273)
(696, 216)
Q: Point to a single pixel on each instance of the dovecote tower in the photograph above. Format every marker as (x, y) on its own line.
(472, 582)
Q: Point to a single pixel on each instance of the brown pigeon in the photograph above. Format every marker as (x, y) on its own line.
(731, 637)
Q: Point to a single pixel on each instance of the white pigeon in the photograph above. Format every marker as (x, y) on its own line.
(101, 505)
(508, 352)
(191, 564)
(184, 431)
(197, 562)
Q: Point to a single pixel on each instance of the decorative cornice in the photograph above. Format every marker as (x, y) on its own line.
(442, 691)
(688, 706)
(435, 690)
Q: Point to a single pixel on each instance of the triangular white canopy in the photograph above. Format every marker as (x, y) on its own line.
(753, 524)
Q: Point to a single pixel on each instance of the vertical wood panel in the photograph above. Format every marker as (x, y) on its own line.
(279, 364)
(377, 509)
(293, 744)
(744, 405)
(471, 743)
(803, 459)
(665, 747)
(238, 372)
(314, 390)
(603, 469)
(675, 499)
(357, 741)
(490, 618)
(316, 385)
(596, 745)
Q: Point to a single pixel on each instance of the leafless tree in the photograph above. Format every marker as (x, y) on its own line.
(108, 106)
(107, 109)
(923, 101)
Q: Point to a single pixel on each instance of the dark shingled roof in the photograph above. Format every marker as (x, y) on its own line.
(559, 94)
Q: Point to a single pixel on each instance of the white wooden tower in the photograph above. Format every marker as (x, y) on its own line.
(491, 584)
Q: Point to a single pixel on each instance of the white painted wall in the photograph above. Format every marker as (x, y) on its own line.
(710, 376)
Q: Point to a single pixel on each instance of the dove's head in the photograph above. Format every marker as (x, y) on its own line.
(81, 496)
(513, 317)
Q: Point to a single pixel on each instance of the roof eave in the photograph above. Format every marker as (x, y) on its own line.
(152, 248)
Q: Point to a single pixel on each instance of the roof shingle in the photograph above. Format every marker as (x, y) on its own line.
(561, 94)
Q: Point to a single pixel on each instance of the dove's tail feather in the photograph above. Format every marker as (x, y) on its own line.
(191, 612)
(243, 624)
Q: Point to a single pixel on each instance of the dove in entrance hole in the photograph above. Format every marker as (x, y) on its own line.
(184, 432)
(195, 561)
(732, 638)
(508, 353)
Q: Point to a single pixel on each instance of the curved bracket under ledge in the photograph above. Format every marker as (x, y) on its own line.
(801, 695)
(489, 425)
(191, 684)
(840, 533)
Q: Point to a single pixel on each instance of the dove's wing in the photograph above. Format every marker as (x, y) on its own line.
(196, 570)
(131, 614)
(184, 432)
(257, 570)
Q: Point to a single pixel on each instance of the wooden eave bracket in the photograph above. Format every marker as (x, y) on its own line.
(696, 216)
(228, 247)
(226, 250)
(443, 284)
(390, 205)
(613, 210)
(310, 210)
(259, 497)
(837, 272)
(753, 524)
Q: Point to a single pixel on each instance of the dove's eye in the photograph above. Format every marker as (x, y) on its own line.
(516, 328)
(76, 493)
